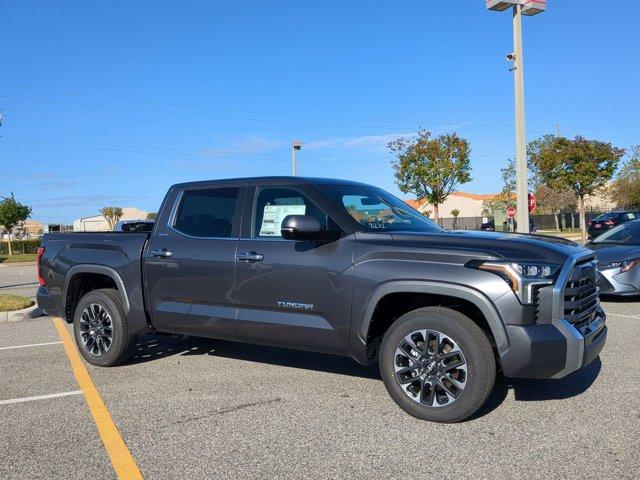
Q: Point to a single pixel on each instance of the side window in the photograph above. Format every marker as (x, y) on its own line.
(207, 213)
(273, 204)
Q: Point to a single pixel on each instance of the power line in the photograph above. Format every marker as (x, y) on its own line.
(201, 153)
(337, 134)
(237, 110)
(192, 124)
(193, 114)
(266, 113)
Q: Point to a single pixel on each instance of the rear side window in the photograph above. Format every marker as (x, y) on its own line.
(207, 213)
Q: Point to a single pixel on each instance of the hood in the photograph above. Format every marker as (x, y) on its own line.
(607, 252)
(511, 246)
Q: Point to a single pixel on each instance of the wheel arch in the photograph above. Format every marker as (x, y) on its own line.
(434, 292)
(83, 278)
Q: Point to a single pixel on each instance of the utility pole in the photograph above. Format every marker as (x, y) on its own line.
(520, 8)
(557, 129)
(296, 145)
(522, 185)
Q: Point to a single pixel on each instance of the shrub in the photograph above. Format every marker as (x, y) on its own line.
(19, 246)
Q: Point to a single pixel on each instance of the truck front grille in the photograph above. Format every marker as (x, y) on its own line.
(581, 294)
(536, 304)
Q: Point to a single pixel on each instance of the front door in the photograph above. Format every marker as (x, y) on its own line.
(291, 291)
(190, 263)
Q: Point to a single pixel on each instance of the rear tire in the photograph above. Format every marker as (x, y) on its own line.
(100, 328)
(437, 364)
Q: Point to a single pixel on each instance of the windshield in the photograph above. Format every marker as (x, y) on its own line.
(376, 210)
(627, 234)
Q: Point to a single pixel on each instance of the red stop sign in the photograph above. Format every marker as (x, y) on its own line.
(511, 212)
(532, 203)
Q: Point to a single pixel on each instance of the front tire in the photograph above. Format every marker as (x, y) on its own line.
(437, 364)
(100, 328)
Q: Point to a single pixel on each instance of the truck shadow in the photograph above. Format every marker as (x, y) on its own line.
(552, 389)
(153, 347)
(618, 299)
(538, 390)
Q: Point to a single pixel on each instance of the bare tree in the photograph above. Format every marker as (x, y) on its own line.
(554, 201)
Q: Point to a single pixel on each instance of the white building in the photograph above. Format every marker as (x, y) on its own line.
(98, 223)
(469, 204)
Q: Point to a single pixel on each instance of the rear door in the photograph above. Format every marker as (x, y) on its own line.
(291, 291)
(191, 260)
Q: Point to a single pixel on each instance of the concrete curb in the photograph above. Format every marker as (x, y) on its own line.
(24, 314)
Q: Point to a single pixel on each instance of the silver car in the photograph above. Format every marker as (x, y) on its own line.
(618, 253)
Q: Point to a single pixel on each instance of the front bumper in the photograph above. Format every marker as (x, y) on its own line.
(554, 347)
(552, 350)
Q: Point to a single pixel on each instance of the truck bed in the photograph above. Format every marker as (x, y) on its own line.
(114, 255)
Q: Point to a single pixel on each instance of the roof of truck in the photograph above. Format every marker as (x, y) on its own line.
(270, 181)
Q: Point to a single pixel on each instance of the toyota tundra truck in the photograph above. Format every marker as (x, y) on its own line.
(338, 267)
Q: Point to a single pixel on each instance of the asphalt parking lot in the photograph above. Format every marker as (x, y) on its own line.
(18, 279)
(195, 408)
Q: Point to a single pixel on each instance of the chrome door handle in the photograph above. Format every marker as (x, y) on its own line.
(249, 257)
(161, 253)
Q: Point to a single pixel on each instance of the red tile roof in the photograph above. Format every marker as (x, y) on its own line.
(475, 196)
(417, 204)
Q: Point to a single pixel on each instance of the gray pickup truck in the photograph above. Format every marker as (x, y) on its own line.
(338, 267)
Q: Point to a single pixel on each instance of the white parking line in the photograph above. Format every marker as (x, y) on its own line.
(39, 397)
(30, 345)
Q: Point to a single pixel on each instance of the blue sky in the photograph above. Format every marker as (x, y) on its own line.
(112, 102)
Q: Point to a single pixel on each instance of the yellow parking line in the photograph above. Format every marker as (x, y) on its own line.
(120, 456)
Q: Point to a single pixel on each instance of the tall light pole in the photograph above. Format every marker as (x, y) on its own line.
(520, 8)
(296, 145)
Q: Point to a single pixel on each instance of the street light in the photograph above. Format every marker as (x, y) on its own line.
(296, 145)
(529, 8)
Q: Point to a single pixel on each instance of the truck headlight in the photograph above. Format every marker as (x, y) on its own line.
(522, 277)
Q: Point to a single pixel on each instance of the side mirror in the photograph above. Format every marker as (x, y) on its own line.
(301, 227)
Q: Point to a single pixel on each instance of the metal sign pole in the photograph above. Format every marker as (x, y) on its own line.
(522, 187)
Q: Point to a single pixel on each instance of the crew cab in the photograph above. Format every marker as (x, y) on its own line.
(338, 267)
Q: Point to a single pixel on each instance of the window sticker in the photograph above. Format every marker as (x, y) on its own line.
(377, 225)
(273, 216)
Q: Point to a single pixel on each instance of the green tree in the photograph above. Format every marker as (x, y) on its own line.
(580, 165)
(12, 213)
(625, 190)
(431, 169)
(111, 215)
(152, 215)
